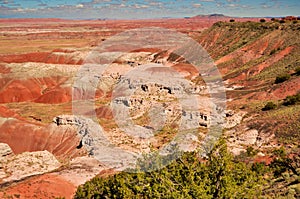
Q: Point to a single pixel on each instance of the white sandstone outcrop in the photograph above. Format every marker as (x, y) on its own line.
(27, 164)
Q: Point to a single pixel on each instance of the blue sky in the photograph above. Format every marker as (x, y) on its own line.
(129, 9)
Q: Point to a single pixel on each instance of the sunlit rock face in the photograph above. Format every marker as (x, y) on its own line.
(17, 167)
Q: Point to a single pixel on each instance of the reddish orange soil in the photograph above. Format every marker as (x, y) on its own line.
(190, 69)
(55, 96)
(43, 187)
(23, 136)
(43, 90)
(18, 90)
(279, 91)
(5, 112)
(258, 68)
(42, 57)
(287, 88)
(264, 159)
(253, 51)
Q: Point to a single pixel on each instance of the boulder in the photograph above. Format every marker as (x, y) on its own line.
(249, 137)
(233, 119)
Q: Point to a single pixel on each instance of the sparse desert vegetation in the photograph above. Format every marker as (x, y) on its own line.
(220, 175)
(269, 106)
(282, 78)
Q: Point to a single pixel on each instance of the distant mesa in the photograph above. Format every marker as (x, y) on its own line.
(217, 15)
(211, 16)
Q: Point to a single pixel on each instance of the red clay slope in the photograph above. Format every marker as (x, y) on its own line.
(42, 57)
(42, 90)
(23, 136)
(47, 186)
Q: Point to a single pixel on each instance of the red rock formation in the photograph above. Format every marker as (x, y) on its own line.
(22, 136)
(43, 90)
(55, 96)
(18, 90)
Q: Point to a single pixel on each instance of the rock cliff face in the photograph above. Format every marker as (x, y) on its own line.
(86, 129)
(95, 141)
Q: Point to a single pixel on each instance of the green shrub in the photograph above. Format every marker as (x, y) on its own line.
(273, 52)
(269, 106)
(260, 168)
(282, 21)
(251, 152)
(298, 71)
(282, 78)
(187, 177)
(262, 20)
(291, 100)
(280, 152)
(284, 163)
